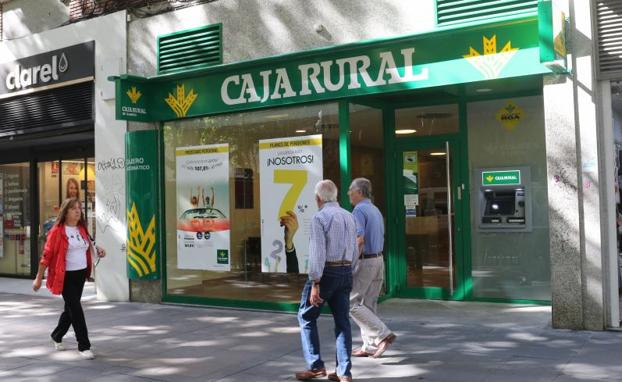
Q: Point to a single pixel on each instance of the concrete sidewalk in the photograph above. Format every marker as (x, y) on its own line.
(437, 341)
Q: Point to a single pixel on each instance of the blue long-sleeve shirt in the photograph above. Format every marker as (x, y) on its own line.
(333, 238)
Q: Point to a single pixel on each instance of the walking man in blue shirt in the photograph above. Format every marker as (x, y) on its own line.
(368, 275)
(332, 254)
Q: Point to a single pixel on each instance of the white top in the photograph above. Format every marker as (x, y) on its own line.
(76, 253)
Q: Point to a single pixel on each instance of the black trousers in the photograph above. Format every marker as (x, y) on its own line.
(73, 314)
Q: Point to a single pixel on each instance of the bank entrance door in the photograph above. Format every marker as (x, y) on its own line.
(429, 197)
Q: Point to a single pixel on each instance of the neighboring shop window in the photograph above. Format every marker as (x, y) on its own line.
(59, 180)
(367, 150)
(426, 120)
(224, 176)
(508, 135)
(15, 213)
(49, 198)
(89, 187)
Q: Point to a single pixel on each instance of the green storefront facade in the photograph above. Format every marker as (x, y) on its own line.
(448, 126)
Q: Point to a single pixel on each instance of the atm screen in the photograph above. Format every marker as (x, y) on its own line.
(500, 203)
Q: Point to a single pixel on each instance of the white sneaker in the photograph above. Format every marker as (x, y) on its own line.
(87, 354)
(58, 346)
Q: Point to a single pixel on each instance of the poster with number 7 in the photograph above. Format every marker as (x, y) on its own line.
(289, 168)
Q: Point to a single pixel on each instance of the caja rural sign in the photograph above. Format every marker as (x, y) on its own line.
(412, 62)
(501, 178)
(58, 66)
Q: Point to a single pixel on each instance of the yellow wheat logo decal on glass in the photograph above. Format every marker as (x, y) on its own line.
(491, 62)
(182, 102)
(141, 253)
(134, 94)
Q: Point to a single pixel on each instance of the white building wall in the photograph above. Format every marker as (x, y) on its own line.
(26, 17)
(109, 33)
(264, 28)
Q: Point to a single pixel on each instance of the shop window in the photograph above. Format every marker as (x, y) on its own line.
(59, 180)
(49, 176)
(367, 150)
(426, 121)
(214, 169)
(244, 188)
(15, 215)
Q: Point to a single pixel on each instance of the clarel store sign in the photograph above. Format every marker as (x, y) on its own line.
(413, 62)
(43, 70)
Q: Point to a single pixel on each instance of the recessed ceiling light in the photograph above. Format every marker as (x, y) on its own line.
(405, 131)
(301, 131)
(483, 90)
(277, 116)
(437, 154)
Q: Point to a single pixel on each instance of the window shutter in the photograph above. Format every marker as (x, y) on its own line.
(609, 29)
(48, 111)
(190, 49)
(459, 11)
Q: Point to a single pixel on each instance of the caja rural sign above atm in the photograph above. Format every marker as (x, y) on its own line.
(501, 178)
(414, 62)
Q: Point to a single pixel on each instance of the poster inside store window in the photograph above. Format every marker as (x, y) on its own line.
(410, 171)
(203, 216)
(289, 169)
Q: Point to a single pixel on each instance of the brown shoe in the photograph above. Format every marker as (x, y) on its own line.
(310, 374)
(384, 345)
(361, 353)
(332, 376)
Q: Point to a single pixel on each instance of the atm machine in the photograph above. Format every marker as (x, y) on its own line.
(504, 200)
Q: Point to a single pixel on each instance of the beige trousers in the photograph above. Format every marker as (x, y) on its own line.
(367, 280)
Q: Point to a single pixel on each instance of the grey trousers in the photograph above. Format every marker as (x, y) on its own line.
(368, 278)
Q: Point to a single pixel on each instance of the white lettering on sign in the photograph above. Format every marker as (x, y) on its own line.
(316, 78)
(21, 78)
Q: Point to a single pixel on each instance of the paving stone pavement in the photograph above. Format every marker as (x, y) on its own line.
(437, 341)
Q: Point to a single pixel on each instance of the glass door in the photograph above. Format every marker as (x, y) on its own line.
(427, 195)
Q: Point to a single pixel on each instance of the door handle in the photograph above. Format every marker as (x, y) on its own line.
(459, 194)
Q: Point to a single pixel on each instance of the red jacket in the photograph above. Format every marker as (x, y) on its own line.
(54, 257)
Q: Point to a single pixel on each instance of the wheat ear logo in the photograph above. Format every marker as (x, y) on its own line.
(491, 62)
(182, 102)
(134, 94)
(141, 254)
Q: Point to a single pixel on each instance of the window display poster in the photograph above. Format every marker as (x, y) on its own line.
(411, 182)
(203, 230)
(289, 168)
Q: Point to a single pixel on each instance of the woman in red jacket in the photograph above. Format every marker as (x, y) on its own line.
(66, 256)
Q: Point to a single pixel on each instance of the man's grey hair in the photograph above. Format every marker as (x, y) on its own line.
(363, 185)
(326, 190)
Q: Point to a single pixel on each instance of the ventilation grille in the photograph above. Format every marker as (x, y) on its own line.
(191, 49)
(609, 16)
(459, 11)
(47, 111)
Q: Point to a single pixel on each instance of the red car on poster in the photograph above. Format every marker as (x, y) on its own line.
(206, 219)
